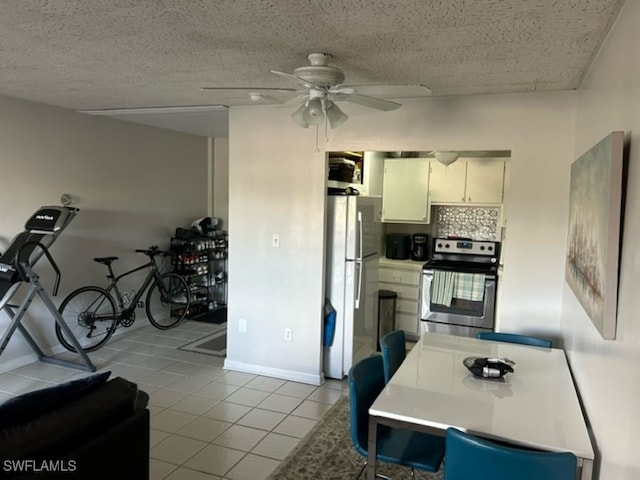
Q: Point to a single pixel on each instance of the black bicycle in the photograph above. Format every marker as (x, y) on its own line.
(94, 313)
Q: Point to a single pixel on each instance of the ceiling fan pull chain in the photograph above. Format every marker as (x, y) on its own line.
(317, 140)
(326, 128)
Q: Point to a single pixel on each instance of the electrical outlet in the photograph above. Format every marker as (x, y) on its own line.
(288, 334)
(242, 325)
(275, 240)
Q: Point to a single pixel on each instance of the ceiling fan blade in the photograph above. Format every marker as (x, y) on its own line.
(253, 89)
(389, 91)
(295, 79)
(298, 99)
(366, 101)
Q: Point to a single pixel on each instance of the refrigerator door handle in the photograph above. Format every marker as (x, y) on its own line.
(359, 259)
(359, 255)
(358, 265)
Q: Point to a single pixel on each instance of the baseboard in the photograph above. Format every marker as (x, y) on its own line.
(18, 362)
(280, 373)
(51, 351)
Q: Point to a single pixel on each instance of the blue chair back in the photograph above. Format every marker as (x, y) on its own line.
(515, 338)
(394, 351)
(366, 381)
(471, 458)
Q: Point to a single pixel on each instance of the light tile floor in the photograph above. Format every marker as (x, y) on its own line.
(207, 423)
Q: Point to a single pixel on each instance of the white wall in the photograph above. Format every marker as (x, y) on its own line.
(221, 181)
(135, 185)
(607, 370)
(277, 182)
(275, 187)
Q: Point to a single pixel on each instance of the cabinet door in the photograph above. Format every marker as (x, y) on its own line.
(409, 323)
(485, 181)
(405, 192)
(406, 277)
(447, 182)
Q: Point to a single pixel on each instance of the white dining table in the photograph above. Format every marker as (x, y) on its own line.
(536, 406)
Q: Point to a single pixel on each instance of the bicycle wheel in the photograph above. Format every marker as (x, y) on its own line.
(91, 315)
(168, 301)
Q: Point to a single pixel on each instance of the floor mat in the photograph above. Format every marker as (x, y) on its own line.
(213, 344)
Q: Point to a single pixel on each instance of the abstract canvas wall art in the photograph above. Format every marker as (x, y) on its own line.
(595, 205)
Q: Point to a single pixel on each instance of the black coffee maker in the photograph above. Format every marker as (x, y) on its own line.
(419, 244)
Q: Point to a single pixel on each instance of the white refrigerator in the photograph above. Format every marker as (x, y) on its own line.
(351, 285)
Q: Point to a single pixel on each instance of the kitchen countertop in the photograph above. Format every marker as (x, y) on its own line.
(412, 264)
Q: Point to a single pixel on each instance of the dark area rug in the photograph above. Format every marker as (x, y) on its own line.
(326, 453)
(213, 344)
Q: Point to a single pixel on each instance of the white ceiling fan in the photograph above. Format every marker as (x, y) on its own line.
(321, 87)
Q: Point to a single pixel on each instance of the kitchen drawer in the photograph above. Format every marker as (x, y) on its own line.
(404, 292)
(408, 323)
(406, 277)
(407, 306)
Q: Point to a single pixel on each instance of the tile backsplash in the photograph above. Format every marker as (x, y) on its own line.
(478, 223)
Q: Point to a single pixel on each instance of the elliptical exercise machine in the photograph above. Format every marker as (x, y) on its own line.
(16, 268)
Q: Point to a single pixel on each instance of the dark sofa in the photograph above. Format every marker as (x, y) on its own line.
(92, 428)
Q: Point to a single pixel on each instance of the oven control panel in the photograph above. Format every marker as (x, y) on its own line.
(465, 247)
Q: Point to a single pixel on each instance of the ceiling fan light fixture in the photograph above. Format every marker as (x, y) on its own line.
(446, 157)
(313, 114)
(335, 116)
(298, 116)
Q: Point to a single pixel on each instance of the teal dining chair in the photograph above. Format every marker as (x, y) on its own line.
(415, 450)
(394, 350)
(516, 338)
(472, 458)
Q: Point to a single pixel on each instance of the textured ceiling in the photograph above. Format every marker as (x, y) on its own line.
(102, 54)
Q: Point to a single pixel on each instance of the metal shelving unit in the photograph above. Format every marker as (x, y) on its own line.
(202, 261)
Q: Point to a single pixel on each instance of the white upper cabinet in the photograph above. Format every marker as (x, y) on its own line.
(405, 190)
(485, 181)
(447, 182)
(467, 181)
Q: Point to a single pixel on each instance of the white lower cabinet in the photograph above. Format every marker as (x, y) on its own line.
(403, 277)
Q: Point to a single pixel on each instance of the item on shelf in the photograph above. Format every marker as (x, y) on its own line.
(201, 260)
(341, 169)
(205, 225)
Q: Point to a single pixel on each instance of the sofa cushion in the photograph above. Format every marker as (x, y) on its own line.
(28, 406)
(71, 424)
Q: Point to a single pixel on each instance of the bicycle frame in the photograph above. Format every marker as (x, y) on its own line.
(154, 273)
(166, 304)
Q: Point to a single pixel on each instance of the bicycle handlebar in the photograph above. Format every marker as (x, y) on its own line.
(152, 251)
